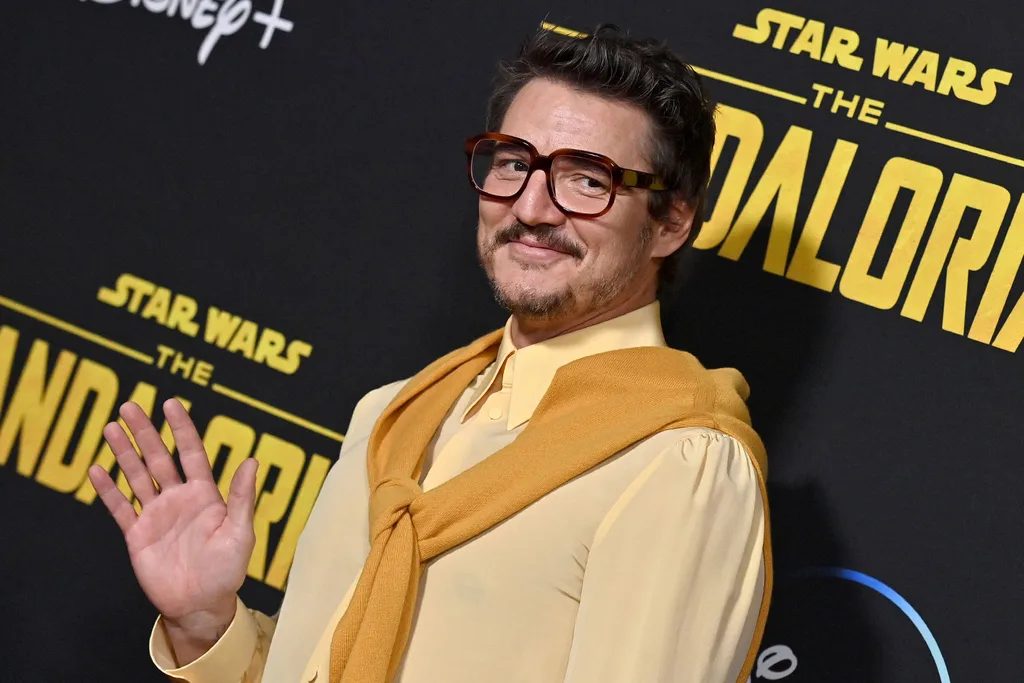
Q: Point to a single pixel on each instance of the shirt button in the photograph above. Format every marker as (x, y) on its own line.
(494, 413)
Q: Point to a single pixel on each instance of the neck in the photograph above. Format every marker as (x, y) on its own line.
(526, 331)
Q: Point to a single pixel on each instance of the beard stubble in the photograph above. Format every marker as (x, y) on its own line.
(564, 301)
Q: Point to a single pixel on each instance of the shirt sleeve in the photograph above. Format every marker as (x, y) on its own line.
(237, 657)
(674, 580)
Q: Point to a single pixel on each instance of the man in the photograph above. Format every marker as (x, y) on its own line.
(565, 499)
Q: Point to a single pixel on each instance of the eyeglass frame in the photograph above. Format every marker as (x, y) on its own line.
(620, 177)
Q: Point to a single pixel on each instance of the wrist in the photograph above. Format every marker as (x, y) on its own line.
(192, 634)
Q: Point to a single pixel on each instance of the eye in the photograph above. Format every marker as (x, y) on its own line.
(511, 164)
(582, 177)
(589, 184)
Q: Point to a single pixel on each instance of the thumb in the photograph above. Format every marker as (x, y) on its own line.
(242, 494)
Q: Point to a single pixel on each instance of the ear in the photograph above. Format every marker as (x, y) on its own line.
(671, 233)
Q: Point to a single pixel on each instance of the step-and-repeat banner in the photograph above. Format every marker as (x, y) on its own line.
(259, 206)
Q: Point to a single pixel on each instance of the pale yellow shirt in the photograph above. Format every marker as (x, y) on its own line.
(647, 568)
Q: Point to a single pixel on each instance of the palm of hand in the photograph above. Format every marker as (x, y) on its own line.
(186, 551)
(189, 548)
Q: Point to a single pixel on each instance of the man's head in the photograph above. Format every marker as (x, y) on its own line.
(631, 101)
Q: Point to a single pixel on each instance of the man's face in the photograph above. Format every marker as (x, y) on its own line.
(543, 264)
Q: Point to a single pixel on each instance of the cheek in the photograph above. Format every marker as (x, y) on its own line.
(623, 229)
(610, 237)
(494, 214)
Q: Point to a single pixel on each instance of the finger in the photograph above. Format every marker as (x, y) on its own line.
(242, 494)
(118, 506)
(153, 450)
(194, 461)
(138, 476)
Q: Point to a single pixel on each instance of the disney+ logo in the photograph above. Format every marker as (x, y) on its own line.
(218, 18)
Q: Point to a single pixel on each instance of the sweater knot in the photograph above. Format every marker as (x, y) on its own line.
(389, 500)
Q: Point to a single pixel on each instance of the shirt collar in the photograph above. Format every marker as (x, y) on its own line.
(530, 370)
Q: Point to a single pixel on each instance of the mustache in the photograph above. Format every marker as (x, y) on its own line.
(547, 235)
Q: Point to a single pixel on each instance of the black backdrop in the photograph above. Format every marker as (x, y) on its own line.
(316, 187)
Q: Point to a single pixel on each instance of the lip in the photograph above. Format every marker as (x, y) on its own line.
(535, 252)
(537, 246)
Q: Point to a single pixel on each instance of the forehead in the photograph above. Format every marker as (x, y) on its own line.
(552, 116)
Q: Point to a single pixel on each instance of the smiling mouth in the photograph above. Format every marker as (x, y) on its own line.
(540, 246)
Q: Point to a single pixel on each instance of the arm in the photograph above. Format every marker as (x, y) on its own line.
(673, 585)
(239, 654)
(189, 547)
(234, 649)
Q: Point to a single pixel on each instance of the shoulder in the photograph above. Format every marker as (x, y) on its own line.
(708, 456)
(689, 477)
(367, 410)
(713, 442)
(373, 403)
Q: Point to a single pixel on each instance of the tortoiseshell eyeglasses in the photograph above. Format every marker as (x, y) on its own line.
(580, 183)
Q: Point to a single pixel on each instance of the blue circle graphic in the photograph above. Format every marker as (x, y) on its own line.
(893, 597)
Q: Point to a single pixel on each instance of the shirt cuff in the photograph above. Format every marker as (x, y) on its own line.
(227, 660)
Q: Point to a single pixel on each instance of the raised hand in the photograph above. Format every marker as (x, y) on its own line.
(189, 549)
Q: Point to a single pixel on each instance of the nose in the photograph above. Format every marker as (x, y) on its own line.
(535, 206)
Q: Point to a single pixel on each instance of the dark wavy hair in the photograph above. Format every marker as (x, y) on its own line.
(642, 72)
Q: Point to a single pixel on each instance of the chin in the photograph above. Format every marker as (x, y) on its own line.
(528, 300)
(530, 284)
